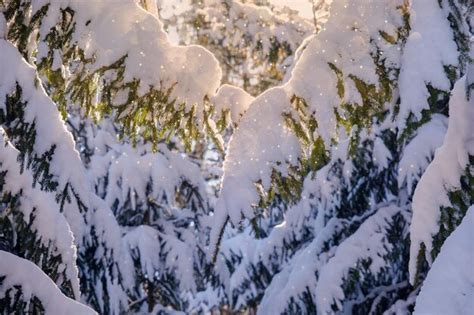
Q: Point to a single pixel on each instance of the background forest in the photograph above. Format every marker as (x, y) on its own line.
(236, 157)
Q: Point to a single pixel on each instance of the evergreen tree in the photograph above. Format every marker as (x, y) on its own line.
(133, 181)
(32, 226)
(442, 211)
(159, 199)
(341, 149)
(66, 42)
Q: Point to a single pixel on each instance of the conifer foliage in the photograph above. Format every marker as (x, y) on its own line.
(334, 176)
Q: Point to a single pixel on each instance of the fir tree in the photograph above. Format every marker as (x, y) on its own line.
(342, 131)
(50, 36)
(133, 181)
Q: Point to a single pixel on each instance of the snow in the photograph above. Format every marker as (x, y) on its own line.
(350, 51)
(429, 47)
(381, 155)
(418, 153)
(34, 283)
(300, 273)
(443, 174)
(111, 29)
(180, 261)
(159, 253)
(129, 172)
(251, 158)
(308, 248)
(145, 240)
(449, 285)
(137, 174)
(52, 229)
(66, 169)
(233, 98)
(65, 165)
(136, 180)
(368, 242)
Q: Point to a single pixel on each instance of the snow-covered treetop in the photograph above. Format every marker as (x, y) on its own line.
(114, 56)
(345, 80)
(111, 30)
(343, 73)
